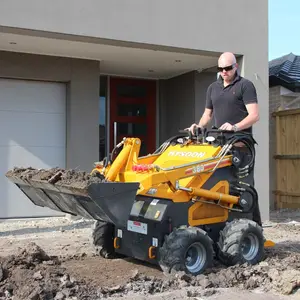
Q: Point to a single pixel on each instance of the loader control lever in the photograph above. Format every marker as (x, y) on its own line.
(225, 133)
(214, 135)
(199, 135)
(221, 134)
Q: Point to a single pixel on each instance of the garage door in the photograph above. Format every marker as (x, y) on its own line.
(32, 133)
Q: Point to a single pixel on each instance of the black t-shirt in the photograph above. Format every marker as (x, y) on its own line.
(229, 103)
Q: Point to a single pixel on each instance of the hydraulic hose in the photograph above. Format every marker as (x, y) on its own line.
(249, 142)
(166, 144)
(242, 187)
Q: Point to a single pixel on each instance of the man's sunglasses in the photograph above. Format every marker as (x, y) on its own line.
(228, 68)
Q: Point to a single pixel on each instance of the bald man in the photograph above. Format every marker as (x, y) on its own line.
(232, 99)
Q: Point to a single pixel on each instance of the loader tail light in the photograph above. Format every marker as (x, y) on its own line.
(142, 168)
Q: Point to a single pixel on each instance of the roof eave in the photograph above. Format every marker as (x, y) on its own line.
(275, 81)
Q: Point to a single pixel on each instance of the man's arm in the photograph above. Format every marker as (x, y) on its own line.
(252, 118)
(250, 101)
(206, 117)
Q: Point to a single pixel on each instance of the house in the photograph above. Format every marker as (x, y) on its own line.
(76, 76)
(284, 91)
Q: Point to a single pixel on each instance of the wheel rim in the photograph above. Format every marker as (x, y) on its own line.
(195, 257)
(250, 246)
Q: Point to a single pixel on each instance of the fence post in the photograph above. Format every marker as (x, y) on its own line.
(278, 152)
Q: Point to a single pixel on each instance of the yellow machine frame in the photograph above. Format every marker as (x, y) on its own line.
(180, 180)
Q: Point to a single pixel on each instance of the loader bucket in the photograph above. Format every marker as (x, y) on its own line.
(106, 201)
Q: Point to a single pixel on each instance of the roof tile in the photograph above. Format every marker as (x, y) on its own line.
(285, 68)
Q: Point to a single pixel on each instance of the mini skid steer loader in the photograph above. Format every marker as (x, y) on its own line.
(189, 202)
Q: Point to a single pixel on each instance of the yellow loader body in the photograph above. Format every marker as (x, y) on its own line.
(190, 201)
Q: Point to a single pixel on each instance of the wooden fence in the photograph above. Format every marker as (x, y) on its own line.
(287, 159)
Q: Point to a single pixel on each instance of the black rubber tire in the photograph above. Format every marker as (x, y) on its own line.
(103, 239)
(230, 244)
(172, 253)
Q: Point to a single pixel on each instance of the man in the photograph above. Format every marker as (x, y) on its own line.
(232, 99)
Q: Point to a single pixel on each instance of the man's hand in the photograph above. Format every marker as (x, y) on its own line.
(226, 126)
(192, 128)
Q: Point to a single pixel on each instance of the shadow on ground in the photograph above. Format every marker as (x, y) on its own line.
(285, 215)
(287, 247)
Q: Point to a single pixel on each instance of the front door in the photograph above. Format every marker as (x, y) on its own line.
(133, 111)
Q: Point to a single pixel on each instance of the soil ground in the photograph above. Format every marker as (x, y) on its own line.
(52, 258)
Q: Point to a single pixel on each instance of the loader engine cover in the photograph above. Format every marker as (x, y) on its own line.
(178, 154)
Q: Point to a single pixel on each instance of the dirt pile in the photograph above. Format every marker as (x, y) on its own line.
(57, 176)
(31, 173)
(279, 273)
(33, 275)
(78, 179)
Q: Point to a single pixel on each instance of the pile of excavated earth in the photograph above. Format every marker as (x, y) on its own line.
(61, 177)
(33, 274)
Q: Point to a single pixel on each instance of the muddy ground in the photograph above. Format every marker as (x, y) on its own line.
(53, 258)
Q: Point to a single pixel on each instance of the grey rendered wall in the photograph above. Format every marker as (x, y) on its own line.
(144, 22)
(83, 118)
(82, 98)
(182, 101)
(202, 81)
(177, 104)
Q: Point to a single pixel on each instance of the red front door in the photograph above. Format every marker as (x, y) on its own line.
(132, 112)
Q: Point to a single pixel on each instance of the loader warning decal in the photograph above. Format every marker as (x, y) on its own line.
(136, 226)
(206, 167)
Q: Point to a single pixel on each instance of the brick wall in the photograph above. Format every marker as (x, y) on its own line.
(274, 105)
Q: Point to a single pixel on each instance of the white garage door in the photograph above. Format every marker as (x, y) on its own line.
(32, 133)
